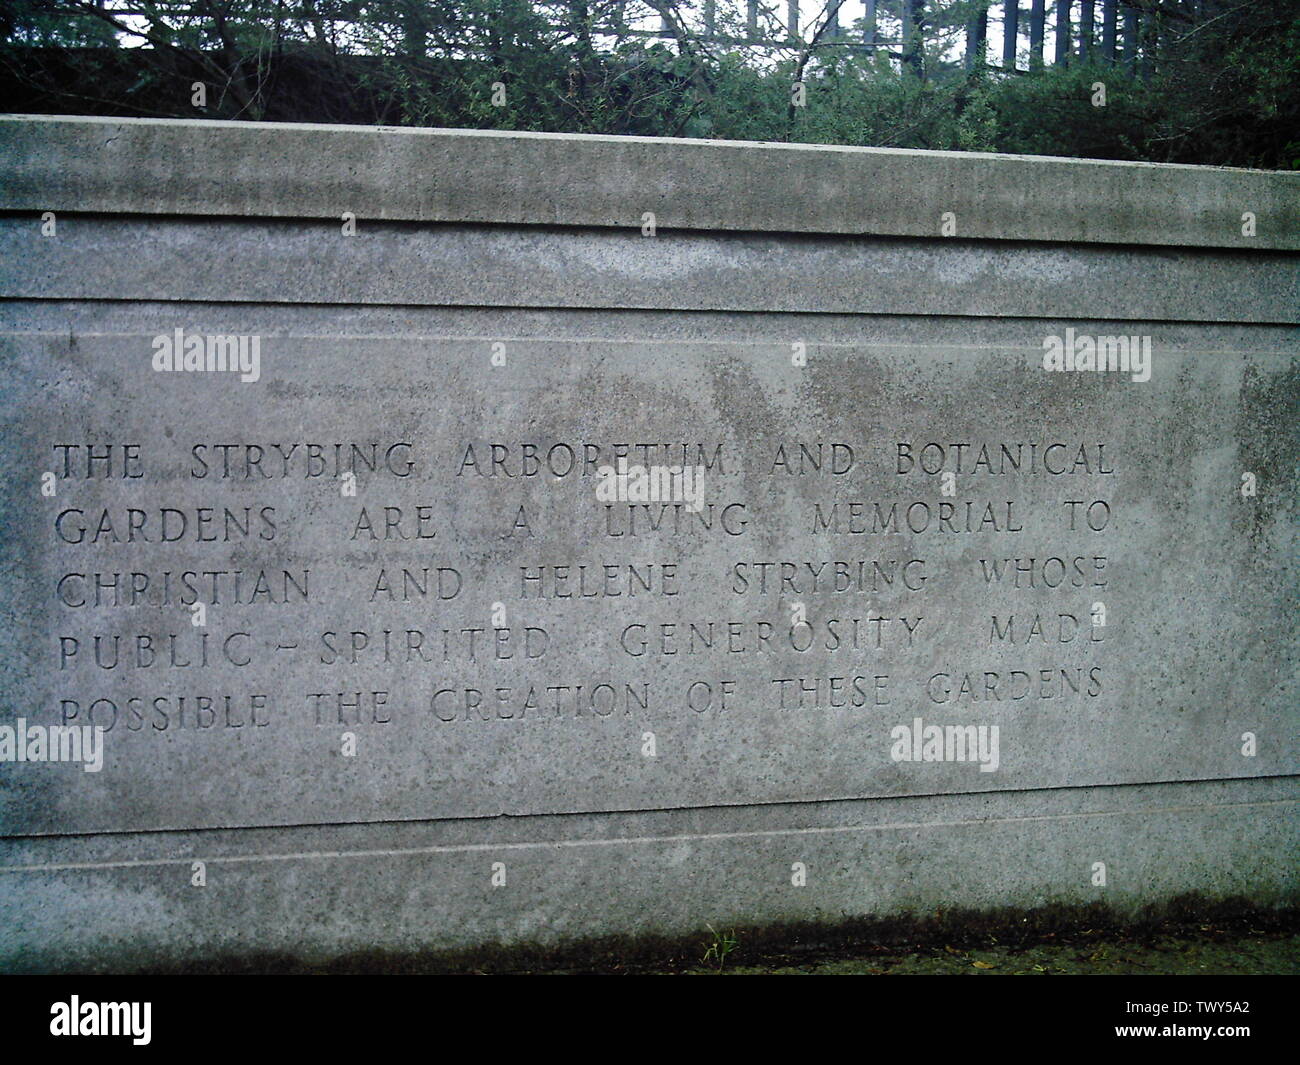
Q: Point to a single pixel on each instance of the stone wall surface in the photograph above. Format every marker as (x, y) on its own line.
(884, 614)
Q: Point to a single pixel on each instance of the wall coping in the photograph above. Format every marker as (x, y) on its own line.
(298, 170)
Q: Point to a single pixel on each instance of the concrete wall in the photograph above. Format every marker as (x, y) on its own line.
(465, 664)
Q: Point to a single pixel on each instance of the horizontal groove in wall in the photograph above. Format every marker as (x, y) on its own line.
(205, 260)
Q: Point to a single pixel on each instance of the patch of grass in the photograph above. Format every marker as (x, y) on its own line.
(722, 944)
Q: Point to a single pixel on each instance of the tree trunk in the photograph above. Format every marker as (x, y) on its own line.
(1037, 17)
(1087, 28)
(977, 31)
(1010, 32)
(415, 29)
(1149, 41)
(1109, 20)
(914, 37)
(1130, 35)
(1062, 32)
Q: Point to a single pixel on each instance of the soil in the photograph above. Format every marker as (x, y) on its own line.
(1210, 955)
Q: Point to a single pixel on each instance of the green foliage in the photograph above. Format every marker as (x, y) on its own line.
(1224, 90)
(1050, 112)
